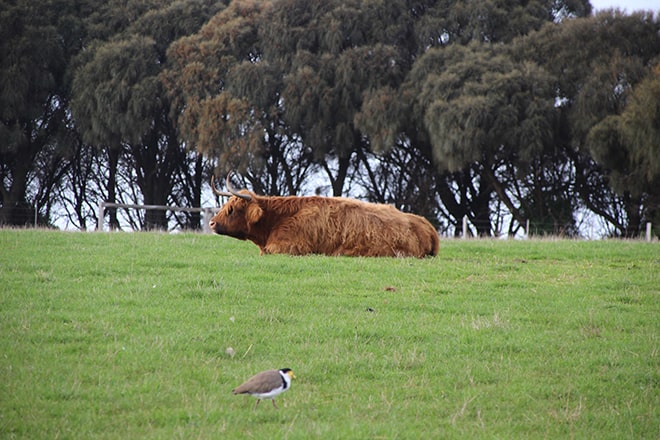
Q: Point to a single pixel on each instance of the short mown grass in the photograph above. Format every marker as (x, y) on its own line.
(144, 335)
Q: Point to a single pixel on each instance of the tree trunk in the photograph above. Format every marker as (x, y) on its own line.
(499, 190)
(337, 181)
(15, 210)
(633, 212)
(111, 186)
(481, 208)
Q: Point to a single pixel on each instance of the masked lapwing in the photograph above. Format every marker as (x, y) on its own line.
(267, 384)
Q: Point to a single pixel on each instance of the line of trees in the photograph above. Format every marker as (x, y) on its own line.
(504, 112)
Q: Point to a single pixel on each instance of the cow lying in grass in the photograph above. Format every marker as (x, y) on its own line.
(323, 225)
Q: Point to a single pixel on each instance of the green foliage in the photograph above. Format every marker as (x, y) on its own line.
(292, 70)
(208, 75)
(595, 64)
(120, 102)
(357, 49)
(642, 126)
(628, 146)
(120, 79)
(380, 117)
(483, 109)
(120, 73)
(478, 104)
(37, 43)
(127, 336)
(327, 74)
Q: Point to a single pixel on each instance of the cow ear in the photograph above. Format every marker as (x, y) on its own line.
(253, 213)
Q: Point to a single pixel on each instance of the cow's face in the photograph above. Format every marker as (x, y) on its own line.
(236, 218)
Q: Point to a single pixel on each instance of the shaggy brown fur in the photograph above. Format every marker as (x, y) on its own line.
(326, 225)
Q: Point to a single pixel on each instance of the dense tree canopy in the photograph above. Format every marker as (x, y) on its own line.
(120, 76)
(627, 145)
(480, 107)
(37, 42)
(501, 112)
(596, 63)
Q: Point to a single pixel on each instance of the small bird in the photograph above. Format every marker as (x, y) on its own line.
(267, 384)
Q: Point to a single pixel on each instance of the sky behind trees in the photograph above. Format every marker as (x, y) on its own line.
(627, 5)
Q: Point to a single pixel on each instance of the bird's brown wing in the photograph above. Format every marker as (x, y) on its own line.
(261, 383)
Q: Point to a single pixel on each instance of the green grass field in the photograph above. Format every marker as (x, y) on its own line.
(119, 335)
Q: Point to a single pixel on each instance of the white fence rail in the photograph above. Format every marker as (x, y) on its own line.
(207, 213)
(465, 233)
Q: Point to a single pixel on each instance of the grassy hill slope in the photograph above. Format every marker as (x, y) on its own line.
(144, 335)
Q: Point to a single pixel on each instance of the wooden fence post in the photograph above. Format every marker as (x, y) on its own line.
(100, 213)
(208, 213)
(527, 228)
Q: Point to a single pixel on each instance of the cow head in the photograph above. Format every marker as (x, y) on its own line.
(238, 215)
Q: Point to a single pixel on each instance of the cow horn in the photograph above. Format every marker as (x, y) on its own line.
(216, 191)
(233, 190)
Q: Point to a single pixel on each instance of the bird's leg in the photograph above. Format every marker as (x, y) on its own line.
(274, 404)
(255, 406)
